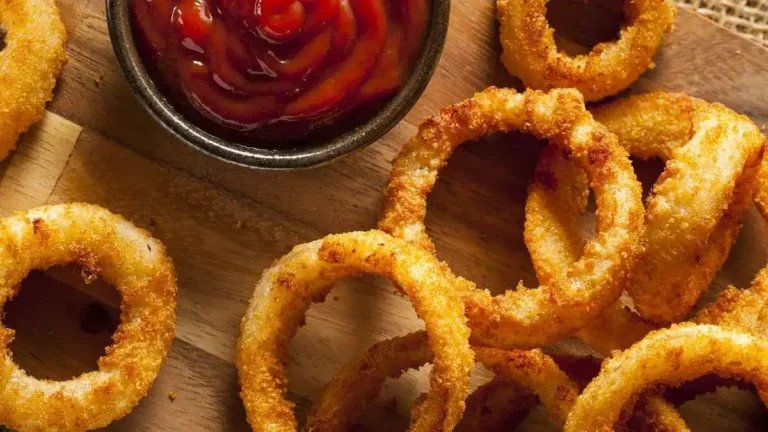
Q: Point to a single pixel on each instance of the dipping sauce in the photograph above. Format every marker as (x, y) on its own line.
(279, 70)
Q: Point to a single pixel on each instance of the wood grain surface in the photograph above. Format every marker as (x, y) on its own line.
(224, 225)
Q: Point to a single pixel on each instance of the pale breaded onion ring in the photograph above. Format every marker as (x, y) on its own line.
(30, 63)
(668, 357)
(352, 389)
(286, 291)
(128, 258)
(529, 318)
(530, 51)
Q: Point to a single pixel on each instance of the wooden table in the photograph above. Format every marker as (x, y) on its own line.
(223, 225)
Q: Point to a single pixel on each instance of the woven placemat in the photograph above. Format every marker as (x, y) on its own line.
(748, 18)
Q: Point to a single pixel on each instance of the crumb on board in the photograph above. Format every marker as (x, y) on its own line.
(172, 396)
(240, 224)
(98, 80)
(335, 298)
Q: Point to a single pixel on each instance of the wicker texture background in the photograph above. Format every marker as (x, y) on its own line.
(749, 18)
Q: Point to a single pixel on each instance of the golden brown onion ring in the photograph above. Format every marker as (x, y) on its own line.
(555, 240)
(648, 126)
(668, 357)
(128, 258)
(288, 288)
(529, 317)
(693, 215)
(618, 328)
(530, 51)
(687, 205)
(30, 62)
(346, 397)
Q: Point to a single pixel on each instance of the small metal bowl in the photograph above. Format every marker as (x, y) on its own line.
(347, 141)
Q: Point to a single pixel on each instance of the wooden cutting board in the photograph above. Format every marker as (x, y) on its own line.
(224, 225)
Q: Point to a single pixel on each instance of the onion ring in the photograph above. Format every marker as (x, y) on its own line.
(529, 318)
(129, 259)
(730, 146)
(530, 51)
(557, 240)
(30, 62)
(522, 379)
(648, 126)
(346, 397)
(675, 269)
(668, 357)
(286, 291)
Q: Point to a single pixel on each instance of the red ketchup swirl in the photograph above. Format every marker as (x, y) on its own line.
(279, 68)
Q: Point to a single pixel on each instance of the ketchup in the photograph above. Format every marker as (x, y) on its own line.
(278, 69)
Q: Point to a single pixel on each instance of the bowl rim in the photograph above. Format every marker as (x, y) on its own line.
(357, 138)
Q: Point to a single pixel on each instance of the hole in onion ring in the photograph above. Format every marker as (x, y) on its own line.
(359, 307)
(3, 34)
(648, 172)
(61, 328)
(598, 21)
(749, 409)
(476, 210)
(391, 408)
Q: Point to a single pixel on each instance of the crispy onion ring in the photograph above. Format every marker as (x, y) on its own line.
(668, 357)
(353, 388)
(286, 291)
(648, 126)
(529, 318)
(30, 61)
(675, 268)
(557, 240)
(693, 196)
(129, 259)
(530, 51)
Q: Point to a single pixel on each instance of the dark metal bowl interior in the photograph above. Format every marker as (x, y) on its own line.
(120, 29)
